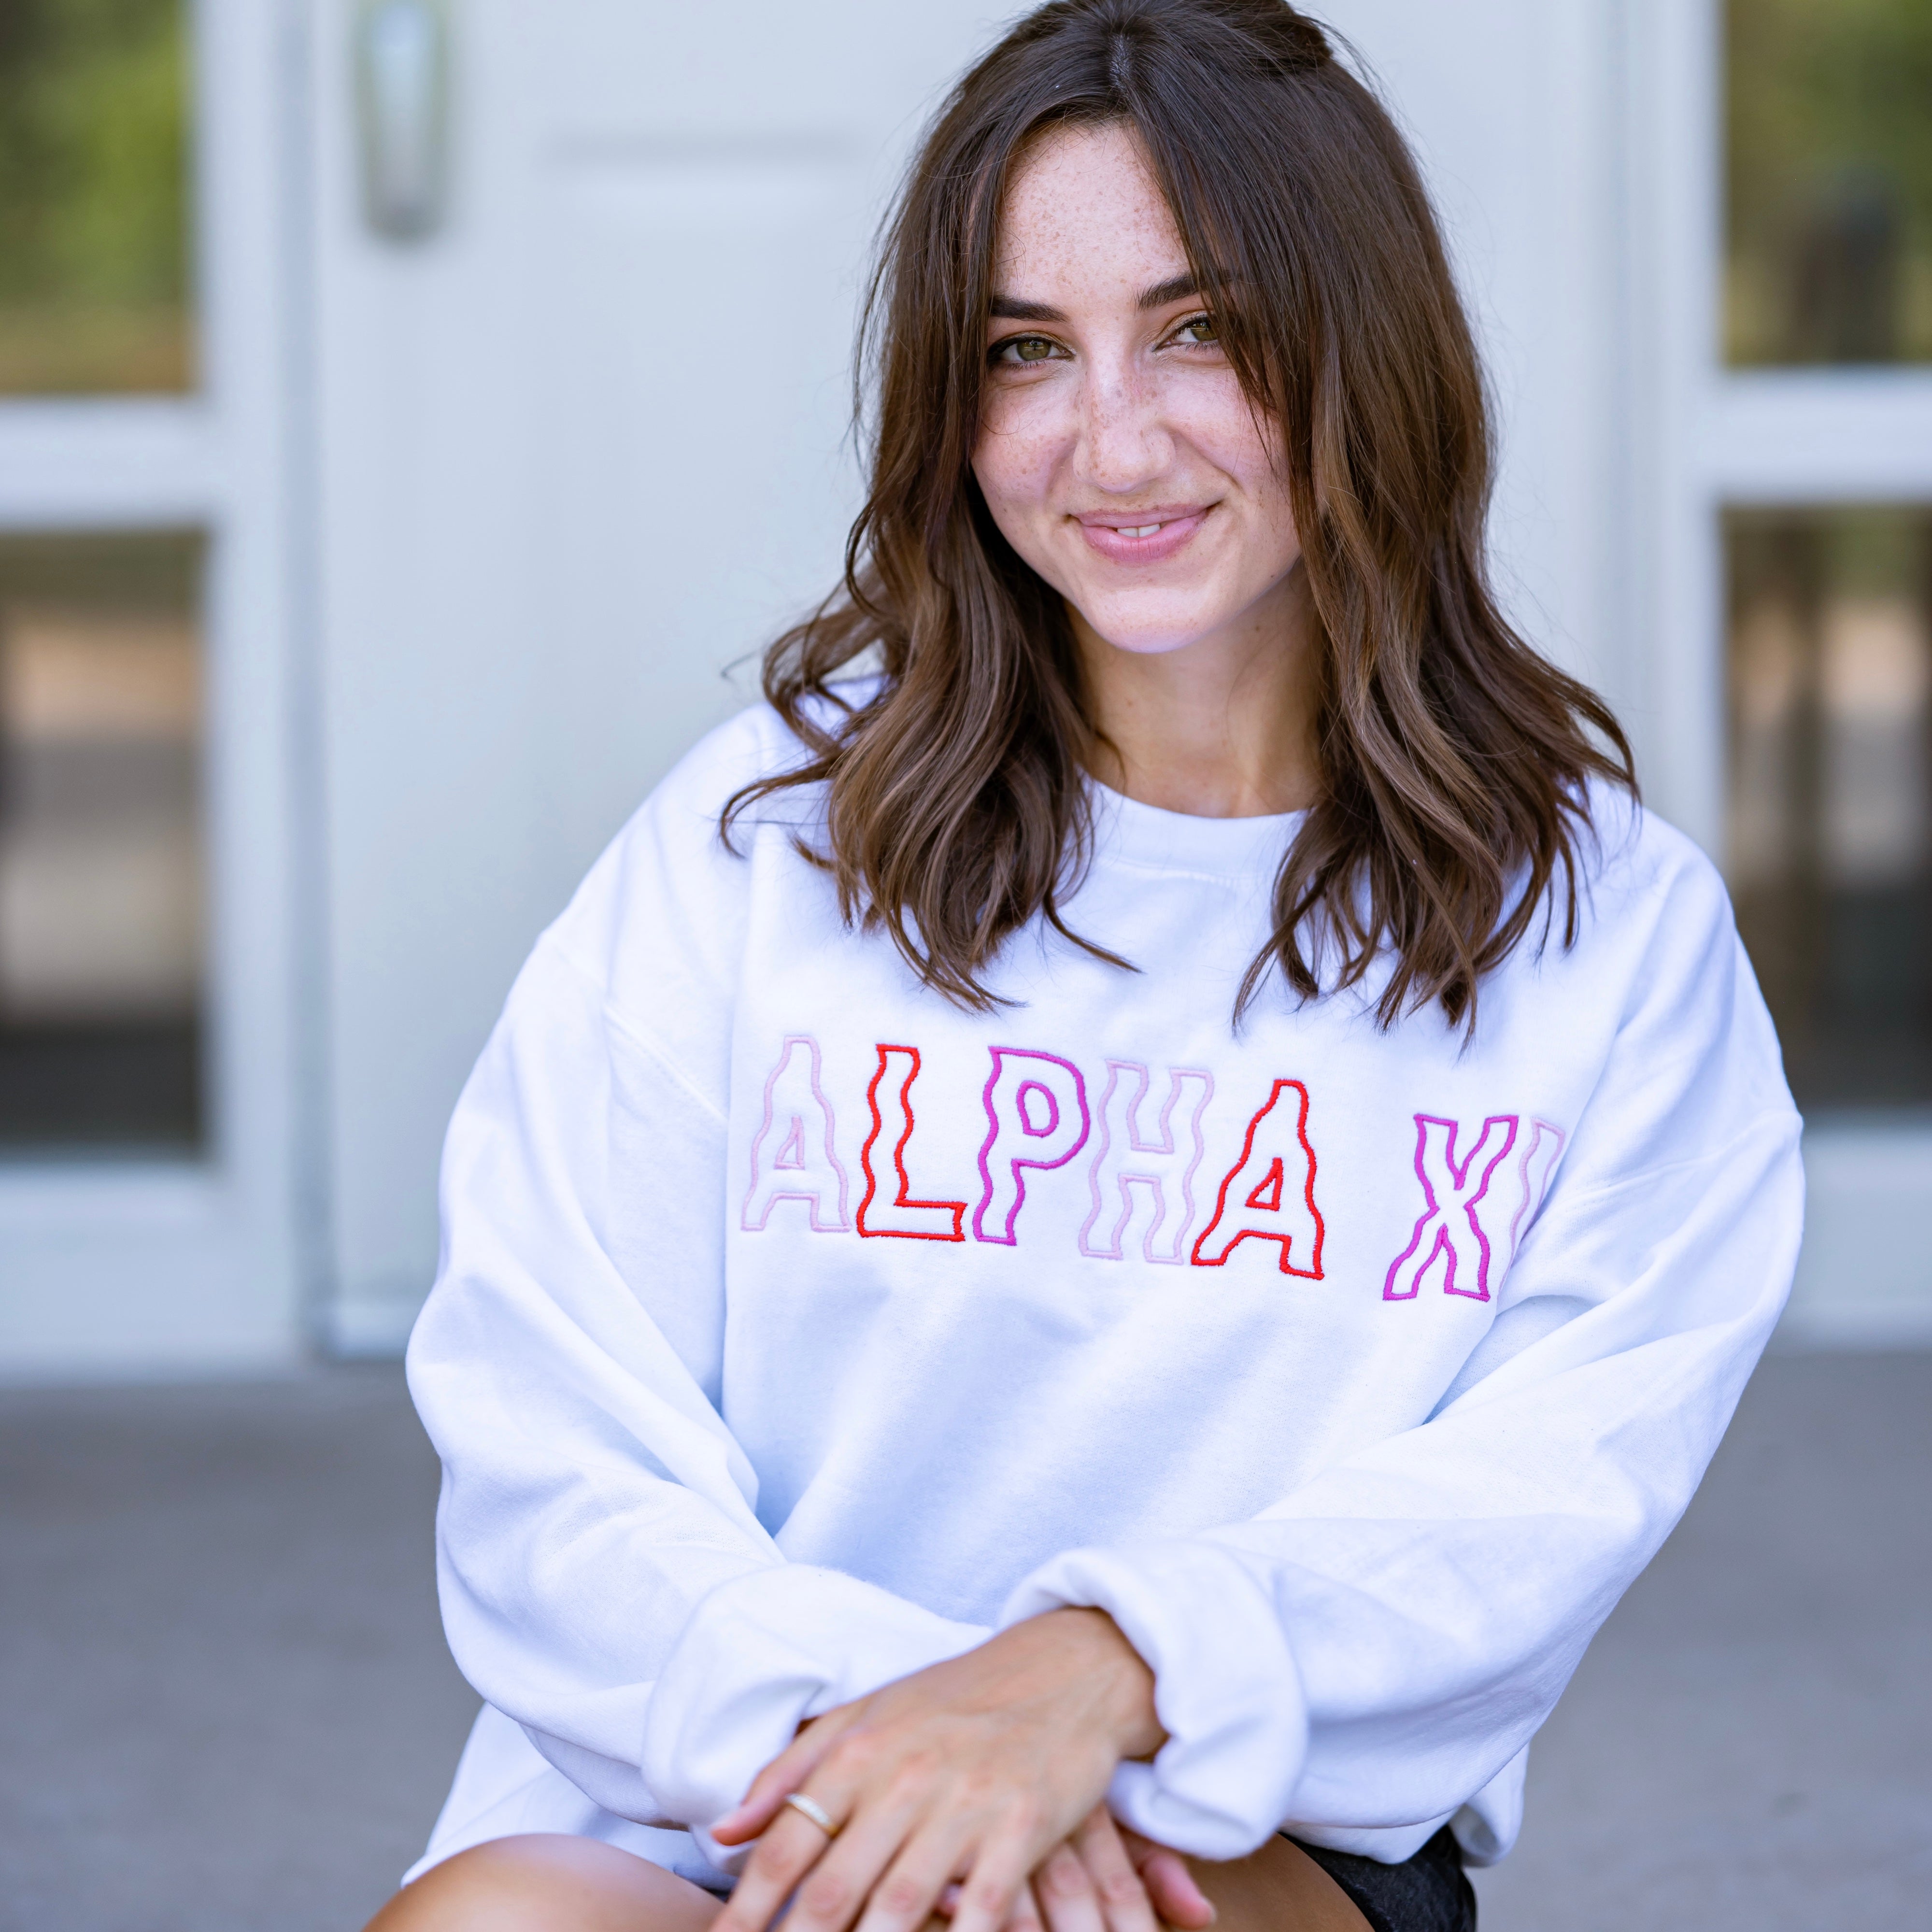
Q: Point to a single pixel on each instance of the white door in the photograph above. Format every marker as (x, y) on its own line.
(147, 1217)
(582, 446)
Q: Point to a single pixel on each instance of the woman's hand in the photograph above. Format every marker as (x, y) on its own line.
(975, 1770)
(1106, 1878)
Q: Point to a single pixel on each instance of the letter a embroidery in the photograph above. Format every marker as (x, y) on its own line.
(1458, 1211)
(1036, 1117)
(794, 1153)
(911, 1220)
(1272, 1184)
(1161, 1164)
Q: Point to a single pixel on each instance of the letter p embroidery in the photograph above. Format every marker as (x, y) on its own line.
(1036, 1117)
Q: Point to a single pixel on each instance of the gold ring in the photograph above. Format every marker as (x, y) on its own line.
(810, 1807)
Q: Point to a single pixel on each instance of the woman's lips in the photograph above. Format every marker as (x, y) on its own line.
(1142, 536)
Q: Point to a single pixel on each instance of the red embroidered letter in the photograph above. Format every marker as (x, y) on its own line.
(1274, 1182)
(911, 1220)
(1036, 1116)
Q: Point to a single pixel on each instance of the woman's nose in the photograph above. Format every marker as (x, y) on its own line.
(1124, 441)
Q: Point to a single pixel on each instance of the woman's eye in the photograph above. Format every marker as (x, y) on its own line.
(1198, 330)
(1021, 350)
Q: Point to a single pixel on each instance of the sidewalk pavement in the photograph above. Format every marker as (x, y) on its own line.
(228, 1707)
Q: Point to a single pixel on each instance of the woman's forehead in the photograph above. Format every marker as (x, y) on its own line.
(1084, 215)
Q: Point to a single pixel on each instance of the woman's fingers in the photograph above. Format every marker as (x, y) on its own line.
(878, 1877)
(932, 1864)
(785, 1773)
(1005, 1858)
(788, 1852)
(1069, 1897)
(1027, 1915)
(1169, 1883)
(1119, 1895)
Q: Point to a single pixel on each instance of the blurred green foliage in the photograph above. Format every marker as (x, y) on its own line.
(95, 274)
(1829, 138)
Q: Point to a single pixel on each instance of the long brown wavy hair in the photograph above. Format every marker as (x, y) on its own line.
(1454, 759)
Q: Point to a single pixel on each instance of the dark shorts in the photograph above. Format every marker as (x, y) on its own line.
(1428, 1893)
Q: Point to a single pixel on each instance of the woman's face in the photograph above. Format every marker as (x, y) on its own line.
(1117, 452)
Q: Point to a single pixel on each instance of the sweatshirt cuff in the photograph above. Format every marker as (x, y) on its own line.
(1225, 1688)
(761, 1654)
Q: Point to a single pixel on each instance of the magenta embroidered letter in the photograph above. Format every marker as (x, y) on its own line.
(891, 1092)
(1135, 1153)
(795, 1152)
(1461, 1222)
(1268, 1194)
(1036, 1117)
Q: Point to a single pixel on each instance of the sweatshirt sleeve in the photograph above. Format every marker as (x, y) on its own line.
(604, 1577)
(1375, 1648)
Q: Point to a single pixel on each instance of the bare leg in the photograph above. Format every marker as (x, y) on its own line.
(1279, 1888)
(553, 1883)
(548, 1882)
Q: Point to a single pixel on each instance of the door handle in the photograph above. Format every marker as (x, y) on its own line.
(402, 75)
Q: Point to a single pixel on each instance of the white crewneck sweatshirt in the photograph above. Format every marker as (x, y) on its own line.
(795, 1328)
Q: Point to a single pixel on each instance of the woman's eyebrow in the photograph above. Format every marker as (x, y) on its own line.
(1010, 308)
(1176, 288)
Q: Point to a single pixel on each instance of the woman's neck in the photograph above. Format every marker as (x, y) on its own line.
(1223, 727)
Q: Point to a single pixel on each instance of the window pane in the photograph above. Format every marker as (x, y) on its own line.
(100, 894)
(94, 200)
(1830, 139)
(1831, 791)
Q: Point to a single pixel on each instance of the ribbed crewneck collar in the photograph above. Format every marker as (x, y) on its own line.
(1128, 833)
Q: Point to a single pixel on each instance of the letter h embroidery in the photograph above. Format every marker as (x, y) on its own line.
(1162, 1164)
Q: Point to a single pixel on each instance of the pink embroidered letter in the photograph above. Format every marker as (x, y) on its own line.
(1535, 1165)
(1459, 1214)
(1037, 1118)
(1159, 1163)
(1272, 1188)
(794, 1153)
(911, 1220)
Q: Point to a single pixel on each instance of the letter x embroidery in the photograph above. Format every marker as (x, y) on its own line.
(1456, 1204)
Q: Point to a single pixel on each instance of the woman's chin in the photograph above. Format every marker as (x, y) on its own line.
(1145, 634)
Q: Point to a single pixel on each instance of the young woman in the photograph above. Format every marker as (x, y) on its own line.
(1108, 1231)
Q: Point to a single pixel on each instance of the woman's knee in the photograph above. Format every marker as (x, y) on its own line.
(1278, 1889)
(546, 1883)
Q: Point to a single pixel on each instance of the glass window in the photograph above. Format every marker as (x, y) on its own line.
(1830, 166)
(93, 199)
(100, 863)
(1831, 807)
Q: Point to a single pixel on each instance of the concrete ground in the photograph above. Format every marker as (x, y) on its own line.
(226, 1707)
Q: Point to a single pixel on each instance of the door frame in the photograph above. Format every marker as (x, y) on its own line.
(1702, 438)
(139, 1265)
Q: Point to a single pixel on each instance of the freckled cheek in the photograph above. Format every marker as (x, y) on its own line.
(1020, 447)
(1214, 419)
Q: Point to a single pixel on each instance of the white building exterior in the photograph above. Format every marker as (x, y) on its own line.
(491, 507)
